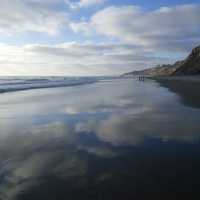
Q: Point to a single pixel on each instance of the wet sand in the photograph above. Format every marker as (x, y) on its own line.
(186, 87)
(122, 139)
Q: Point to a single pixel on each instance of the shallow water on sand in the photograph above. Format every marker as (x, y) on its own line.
(120, 139)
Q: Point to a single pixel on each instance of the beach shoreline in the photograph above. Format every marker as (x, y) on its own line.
(187, 87)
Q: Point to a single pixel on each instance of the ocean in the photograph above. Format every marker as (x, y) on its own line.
(10, 84)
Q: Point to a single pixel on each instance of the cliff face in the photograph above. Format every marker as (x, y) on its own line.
(189, 66)
(162, 70)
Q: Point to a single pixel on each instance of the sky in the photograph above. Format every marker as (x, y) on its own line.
(94, 37)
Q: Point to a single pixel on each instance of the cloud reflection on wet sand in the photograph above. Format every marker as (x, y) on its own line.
(65, 142)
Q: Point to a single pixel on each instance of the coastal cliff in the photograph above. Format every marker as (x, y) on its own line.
(189, 66)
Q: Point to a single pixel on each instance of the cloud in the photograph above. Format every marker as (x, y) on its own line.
(139, 40)
(170, 28)
(32, 154)
(23, 168)
(83, 3)
(31, 16)
(128, 129)
(74, 59)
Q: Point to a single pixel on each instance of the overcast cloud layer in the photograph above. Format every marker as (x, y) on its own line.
(114, 39)
(74, 59)
(175, 28)
(30, 15)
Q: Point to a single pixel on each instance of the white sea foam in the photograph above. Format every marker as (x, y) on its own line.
(9, 84)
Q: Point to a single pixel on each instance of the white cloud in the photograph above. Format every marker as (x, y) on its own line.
(74, 59)
(30, 16)
(168, 29)
(83, 3)
(83, 26)
(172, 28)
(128, 127)
(23, 167)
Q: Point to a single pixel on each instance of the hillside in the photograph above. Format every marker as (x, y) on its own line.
(189, 66)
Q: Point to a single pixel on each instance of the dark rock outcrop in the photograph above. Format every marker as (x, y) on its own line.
(191, 65)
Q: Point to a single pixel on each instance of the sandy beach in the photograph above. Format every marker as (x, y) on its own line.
(185, 86)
